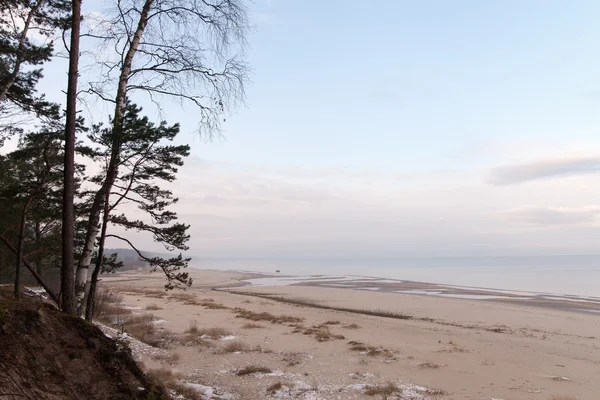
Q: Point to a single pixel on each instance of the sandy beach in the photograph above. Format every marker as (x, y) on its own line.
(338, 339)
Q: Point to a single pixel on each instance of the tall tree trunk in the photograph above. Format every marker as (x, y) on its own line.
(20, 245)
(112, 169)
(89, 310)
(85, 260)
(68, 217)
(40, 255)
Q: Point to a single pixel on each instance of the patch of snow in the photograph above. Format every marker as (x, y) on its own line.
(139, 349)
(36, 290)
(357, 386)
(299, 390)
(228, 337)
(208, 392)
(560, 378)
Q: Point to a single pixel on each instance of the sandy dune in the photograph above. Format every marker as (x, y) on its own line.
(466, 349)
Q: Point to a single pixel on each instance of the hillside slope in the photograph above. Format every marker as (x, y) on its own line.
(45, 354)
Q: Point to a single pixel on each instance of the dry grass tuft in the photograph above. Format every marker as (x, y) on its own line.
(251, 325)
(195, 336)
(182, 297)
(429, 365)
(234, 346)
(319, 332)
(191, 300)
(274, 388)
(253, 369)
(357, 346)
(159, 294)
(143, 328)
(499, 329)
(435, 392)
(206, 333)
(211, 305)
(184, 391)
(292, 359)
(110, 310)
(167, 359)
(171, 382)
(453, 348)
(107, 305)
(383, 390)
(258, 349)
(192, 327)
(371, 351)
(379, 351)
(164, 374)
(214, 333)
(265, 316)
(153, 307)
(351, 326)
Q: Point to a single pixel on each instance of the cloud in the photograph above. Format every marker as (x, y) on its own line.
(542, 169)
(260, 211)
(552, 216)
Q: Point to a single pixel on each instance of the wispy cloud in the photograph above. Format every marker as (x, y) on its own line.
(552, 216)
(542, 169)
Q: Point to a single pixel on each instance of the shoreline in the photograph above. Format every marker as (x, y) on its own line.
(249, 279)
(324, 343)
(564, 302)
(554, 276)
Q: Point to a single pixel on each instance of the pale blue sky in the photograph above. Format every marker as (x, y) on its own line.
(415, 84)
(397, 128)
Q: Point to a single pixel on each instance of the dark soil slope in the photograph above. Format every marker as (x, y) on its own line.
(45, 354)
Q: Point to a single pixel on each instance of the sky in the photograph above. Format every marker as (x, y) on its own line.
(401, 129)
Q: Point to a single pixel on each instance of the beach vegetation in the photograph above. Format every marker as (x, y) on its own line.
(234, 346)
(383, 390)
(253, 369)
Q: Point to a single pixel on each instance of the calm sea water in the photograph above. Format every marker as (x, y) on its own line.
(575, 275)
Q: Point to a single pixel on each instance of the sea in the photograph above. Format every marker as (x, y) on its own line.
(564, 275)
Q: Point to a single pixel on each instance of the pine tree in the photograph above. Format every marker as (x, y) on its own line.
(21, 56)
(146, 160)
